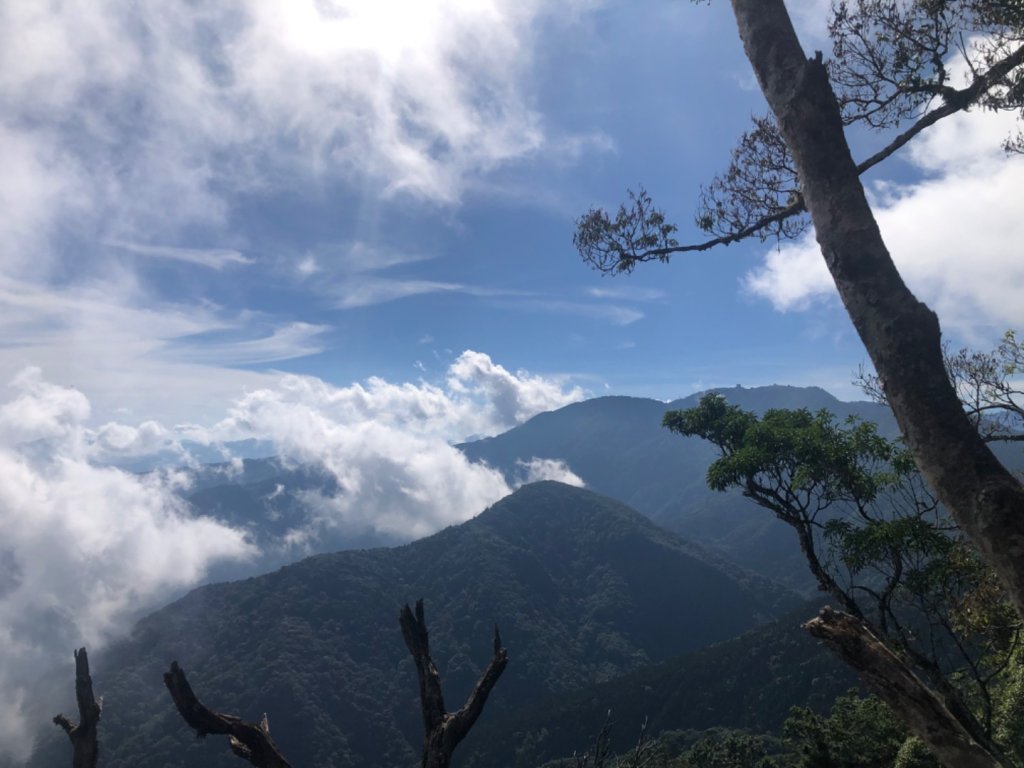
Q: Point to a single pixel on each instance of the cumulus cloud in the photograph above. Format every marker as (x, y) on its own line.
(115, 439)
(536, 470)
(174, 104)
(389, 446)
(85, 547)
(511, 398)
(88, 546)
(954, 235)
(214, 258)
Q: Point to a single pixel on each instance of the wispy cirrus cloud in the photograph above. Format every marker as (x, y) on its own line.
(361, 291)
(214, 258)
(118, 342)
(616, 314)
(287, 342)
(628, 293)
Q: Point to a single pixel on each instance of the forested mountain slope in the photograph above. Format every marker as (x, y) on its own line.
(619, 448)
(749, 682)
(583, 587)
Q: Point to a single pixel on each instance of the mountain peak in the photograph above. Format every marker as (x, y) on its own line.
(770, 396)
(584, 589)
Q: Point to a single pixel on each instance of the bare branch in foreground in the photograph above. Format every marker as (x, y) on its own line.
(924, 712)
(614, 246)
(247, 740)
(83, 735)
(444, 730)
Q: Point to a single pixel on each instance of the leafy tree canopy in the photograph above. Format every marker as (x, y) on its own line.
(878, 541)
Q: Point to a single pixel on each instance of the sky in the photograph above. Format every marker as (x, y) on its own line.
(344, 228)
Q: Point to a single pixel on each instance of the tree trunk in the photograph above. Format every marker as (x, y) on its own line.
(84, 735)
(250, 741)
(900, 333)
(885, 674)
(444, 730)
(902, 337)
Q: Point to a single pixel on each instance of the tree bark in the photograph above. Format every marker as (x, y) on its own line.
(84, 735)
(924, 712)
(444, 730)
(901, 334)
(248, 740)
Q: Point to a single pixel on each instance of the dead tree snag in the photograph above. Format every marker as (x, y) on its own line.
(83, 735)
(248, 740)
(444, 730)
(927, 716)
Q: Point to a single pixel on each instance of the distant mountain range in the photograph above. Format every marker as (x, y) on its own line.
(269, 499)
(615, 444)
(619, 448)
(584, 588)
(596, 601)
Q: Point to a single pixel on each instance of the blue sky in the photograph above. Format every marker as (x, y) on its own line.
(343, 227)
(200, 199)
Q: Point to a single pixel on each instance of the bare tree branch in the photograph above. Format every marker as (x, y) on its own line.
(444, 730)
(924, 712)
(83, 735)
(248, 740)
(594, 233)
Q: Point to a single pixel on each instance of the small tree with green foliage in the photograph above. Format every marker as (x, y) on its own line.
(878, 542)
(889, 69)
(859, 732)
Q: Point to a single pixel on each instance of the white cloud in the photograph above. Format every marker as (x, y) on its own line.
(792, 276)
(954, 235)
(616, 314)
(133, 128)
(511, 398)
(85, 548)
(360, 256)
(358, 291)
(480, 397)
(41, 411)
(390, 446)
(284, 343)
(307, 266)
(536, 470)
(115, 439)
(145, 116)
(116, 342)
(361, 290)
(810, 17)
(214, 258)
(628, 293)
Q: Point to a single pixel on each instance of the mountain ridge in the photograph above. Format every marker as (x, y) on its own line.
(578, 583)
(618, 447)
